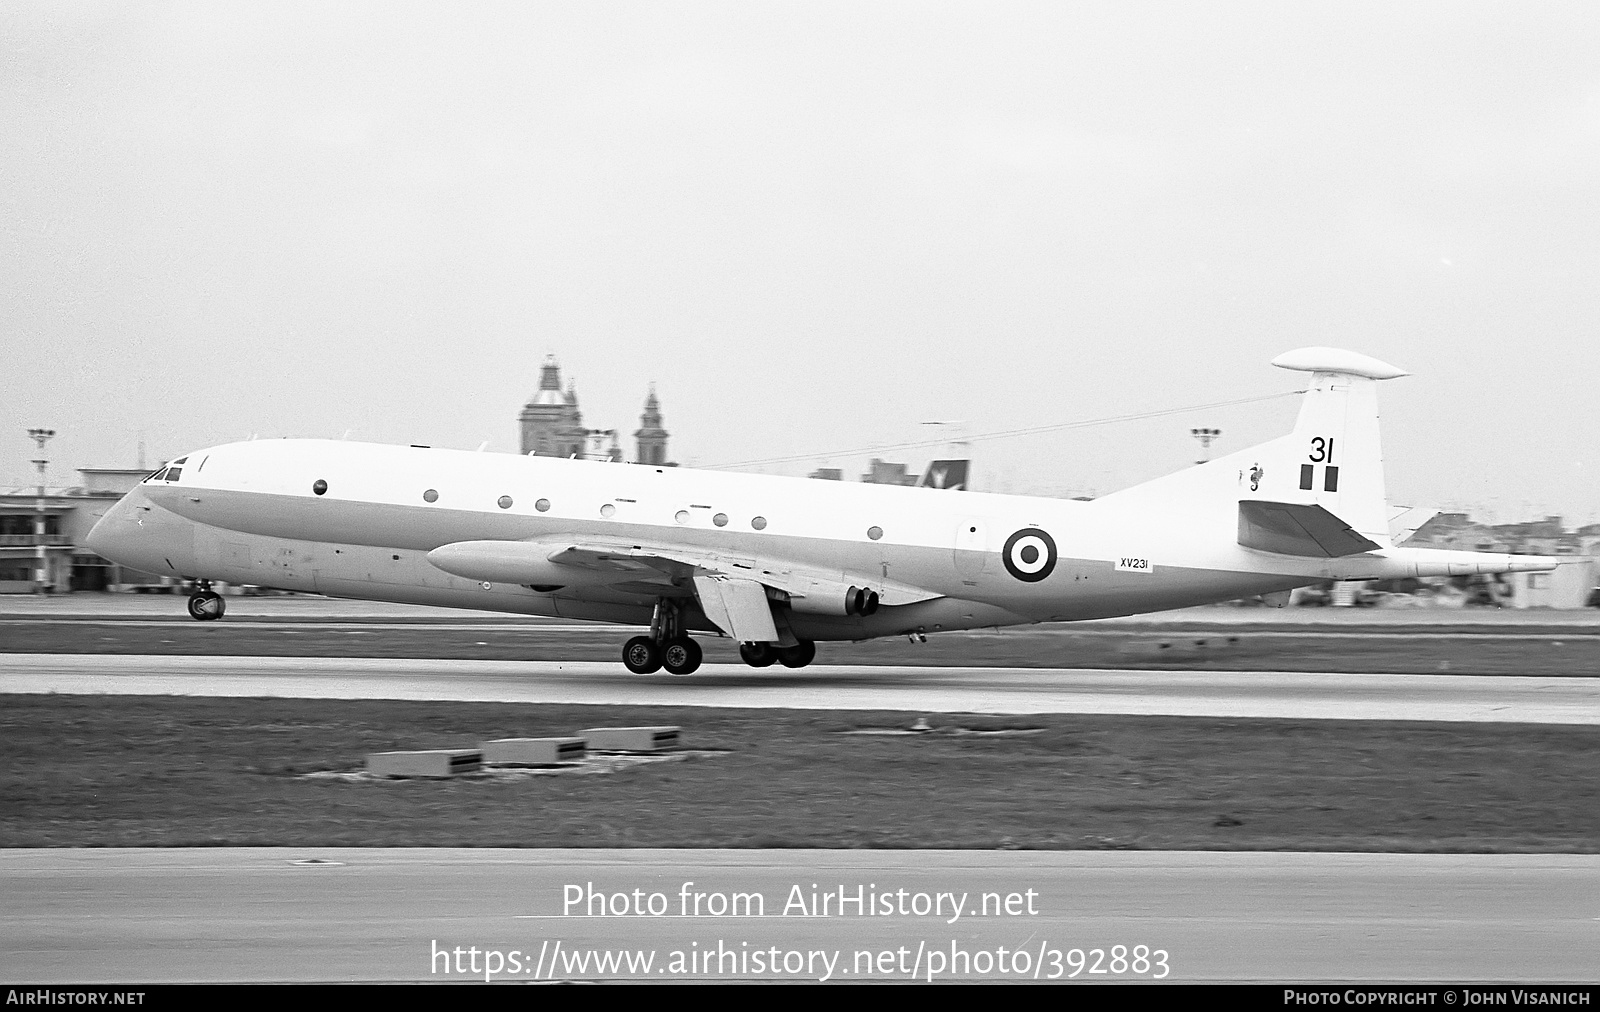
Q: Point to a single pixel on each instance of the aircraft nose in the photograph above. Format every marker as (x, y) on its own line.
(108, 538)
(99, 535)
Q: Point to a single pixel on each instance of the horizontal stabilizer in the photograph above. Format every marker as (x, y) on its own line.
(1405, 521)
(1298, 529)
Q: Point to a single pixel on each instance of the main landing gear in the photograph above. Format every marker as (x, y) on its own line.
(679, 655)
(205, 605)
(667, 646)
(762, 655)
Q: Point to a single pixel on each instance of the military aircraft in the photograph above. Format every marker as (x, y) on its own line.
(778, 564)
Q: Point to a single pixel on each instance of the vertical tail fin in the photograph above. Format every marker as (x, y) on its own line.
(1334, 458)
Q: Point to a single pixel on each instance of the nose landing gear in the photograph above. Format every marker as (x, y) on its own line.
(205, 605)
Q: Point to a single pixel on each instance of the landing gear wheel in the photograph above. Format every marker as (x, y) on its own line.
(206, 606)
(757, 655)
(641, 655)
(797, 656)
(680, 656)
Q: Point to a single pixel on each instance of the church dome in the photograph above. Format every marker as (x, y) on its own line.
(549, 393)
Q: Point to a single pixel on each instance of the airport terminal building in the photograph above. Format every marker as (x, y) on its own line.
(68, 514)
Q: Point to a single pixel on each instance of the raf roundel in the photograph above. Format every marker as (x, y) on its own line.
(1029, 555)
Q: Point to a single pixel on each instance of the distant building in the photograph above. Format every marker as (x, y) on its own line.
(1589, 540)
(950, 474)
(884, 472)
(1571, 585)
(650, 441)
(552, 426)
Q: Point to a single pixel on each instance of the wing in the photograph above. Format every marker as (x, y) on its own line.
(734, 591)
(792, 580)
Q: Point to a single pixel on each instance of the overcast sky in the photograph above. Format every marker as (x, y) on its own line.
(812, 225)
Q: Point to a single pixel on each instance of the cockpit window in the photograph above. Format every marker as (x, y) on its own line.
(173, 472)
(157, 474)
(181, 460)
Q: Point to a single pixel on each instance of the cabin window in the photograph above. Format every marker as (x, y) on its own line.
(721, 519)
(543, 505)
(759, 523)
(682, 516)
(608, 511)
(874, 533)
(432, 495)
(319, 486)
(504, 502)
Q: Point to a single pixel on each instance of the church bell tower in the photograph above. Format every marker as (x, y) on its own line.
(651, 439)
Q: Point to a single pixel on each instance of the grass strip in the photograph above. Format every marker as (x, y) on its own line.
(185, 771)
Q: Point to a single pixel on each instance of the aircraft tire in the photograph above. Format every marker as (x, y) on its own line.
(680, 656)
(757, 655)
(799, 655)
(641, 656)
(206, 606)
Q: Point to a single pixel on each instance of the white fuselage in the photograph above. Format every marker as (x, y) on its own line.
(250, 513)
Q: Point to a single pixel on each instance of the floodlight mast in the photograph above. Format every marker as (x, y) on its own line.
(1206, 438)
(40, 562)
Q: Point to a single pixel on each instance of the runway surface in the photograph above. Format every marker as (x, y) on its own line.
(311, 608)
(1572, 631)
(383, 915)
(932, 689)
